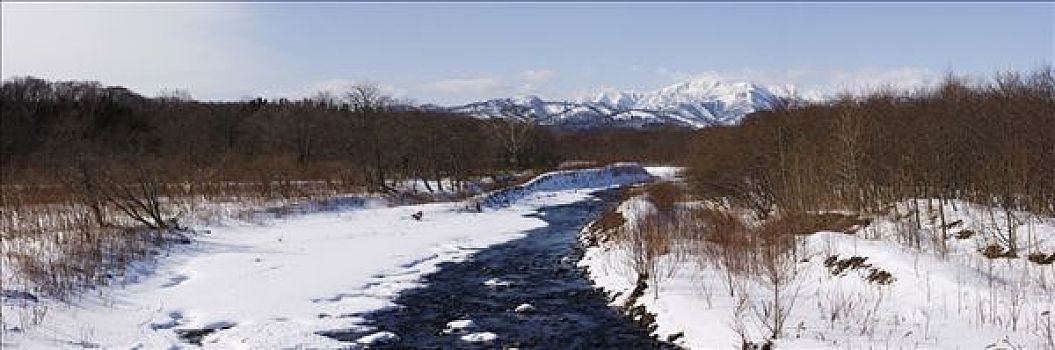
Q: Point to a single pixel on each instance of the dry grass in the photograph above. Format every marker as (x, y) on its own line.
(578, 165)
(713, 236)
(664, 195)
(58, 239)
(809, 223)
(55, 249)
(602, 229)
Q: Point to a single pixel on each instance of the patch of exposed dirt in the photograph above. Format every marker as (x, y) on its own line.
(1041, 259)
(995, 251)
(195, 336)
(840, 267)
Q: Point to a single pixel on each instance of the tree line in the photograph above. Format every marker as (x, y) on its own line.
(991, 143)
(360, 138)
(58, 135)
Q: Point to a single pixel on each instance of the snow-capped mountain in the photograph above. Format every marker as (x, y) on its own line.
(694, 104)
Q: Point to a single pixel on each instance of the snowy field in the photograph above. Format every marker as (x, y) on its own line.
(958, 299)
(275, 285)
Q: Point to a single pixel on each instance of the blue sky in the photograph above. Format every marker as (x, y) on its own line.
(458, 52)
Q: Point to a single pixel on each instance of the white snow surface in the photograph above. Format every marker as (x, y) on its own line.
(278, 283)
(612, 175)
(479, 337)
(383, 337)
(524, 308)
(960, 301)
(494, 283)
(665, 173)
(459, 326)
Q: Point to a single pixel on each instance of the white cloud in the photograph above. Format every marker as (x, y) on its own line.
(903, 78)
(525, 82)
(474, 85)
(537, 76)
(824, 81)
(146, 47)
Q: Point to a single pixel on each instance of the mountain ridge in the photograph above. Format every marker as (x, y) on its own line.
(693, 104)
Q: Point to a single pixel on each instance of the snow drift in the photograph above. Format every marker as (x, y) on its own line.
(612, 175)
(886, 284)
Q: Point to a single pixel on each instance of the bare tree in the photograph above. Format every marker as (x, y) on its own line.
(368, 97)
(175, 95)
(368, 102)
(512, 128)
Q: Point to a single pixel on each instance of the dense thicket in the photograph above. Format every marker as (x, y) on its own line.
(659, 146)
(990, 143)
(55, 131)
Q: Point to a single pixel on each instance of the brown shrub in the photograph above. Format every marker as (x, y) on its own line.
(810, 223)
(664, 195)
(602, 228)
(1041, 259)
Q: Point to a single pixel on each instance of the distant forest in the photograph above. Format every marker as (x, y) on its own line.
(71, 133)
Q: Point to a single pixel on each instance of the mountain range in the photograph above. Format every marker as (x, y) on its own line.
(693, 104)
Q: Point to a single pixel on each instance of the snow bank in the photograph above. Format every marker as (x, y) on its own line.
(459, 326)
(666, 173)
(612, 175)
(949, 298)
(479, 337)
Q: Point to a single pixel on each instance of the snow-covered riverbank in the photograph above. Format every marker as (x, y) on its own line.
(886, 284)
(277, 285)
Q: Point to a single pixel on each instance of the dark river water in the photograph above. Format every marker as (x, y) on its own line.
(538, 269)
